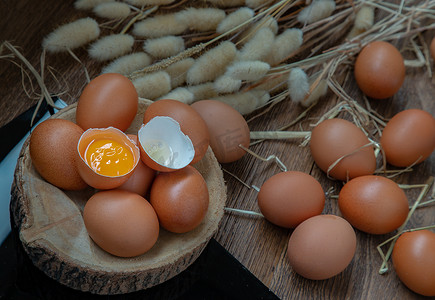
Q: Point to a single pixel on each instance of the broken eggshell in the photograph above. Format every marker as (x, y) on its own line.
(91, 177)
(163, 146)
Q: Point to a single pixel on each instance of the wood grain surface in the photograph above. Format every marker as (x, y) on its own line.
(256, 243)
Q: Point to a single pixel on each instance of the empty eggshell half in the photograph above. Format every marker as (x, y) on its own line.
(163, 146)
(92, 177)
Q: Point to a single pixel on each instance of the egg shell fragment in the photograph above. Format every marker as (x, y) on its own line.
(121, 222)
(191, 123)
(373, 204)
(91, 177)
(321, 247)
(335, 139)
(172, 149)
(288, 198)
(409, 137)
(109, 100)
(180, 199)
(52, 147)
(227, 127)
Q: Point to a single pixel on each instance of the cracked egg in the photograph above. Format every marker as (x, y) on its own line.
(163, 146)
(108, 157)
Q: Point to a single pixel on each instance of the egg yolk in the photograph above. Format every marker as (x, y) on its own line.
(109, 158)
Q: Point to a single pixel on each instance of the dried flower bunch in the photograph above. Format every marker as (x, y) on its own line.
(225, 50)
(248, 54)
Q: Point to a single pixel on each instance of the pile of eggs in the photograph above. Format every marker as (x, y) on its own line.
(127, 170)
(322, 246)
(174, 136)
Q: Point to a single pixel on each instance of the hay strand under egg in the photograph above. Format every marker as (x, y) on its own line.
(386, 256)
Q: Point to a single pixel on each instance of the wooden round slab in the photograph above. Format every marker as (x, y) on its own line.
(53, 234)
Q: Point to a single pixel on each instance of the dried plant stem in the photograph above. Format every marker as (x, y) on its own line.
(282, 9)
(385, 257)
(333, 112)
(360, 111)
(298, 118)
(374, 113)
(38, 106)
(407, 169)
(244, 212)
(412, 186)
(420, 61)
(24, 74)
(269, 158)
(335, 163)
(279, 135)
(307, 62)
(137, 17)
(163, 64)
(88, 78)
(32, 70)
(426, 56)
(316, 43)
(203, 36)
(6, 56)
(393, 239)
(39, 77)
(396, 7)
(425, 203)
(321, 25)
(392, 171)
(177, 4)
(237, 178)
(109, 22)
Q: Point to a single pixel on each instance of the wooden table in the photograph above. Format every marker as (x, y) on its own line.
(256, 243)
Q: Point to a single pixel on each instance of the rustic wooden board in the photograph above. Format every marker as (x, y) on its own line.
(52, 230)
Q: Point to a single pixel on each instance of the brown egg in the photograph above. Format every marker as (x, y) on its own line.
(414, 261)
(289, 198)
(141, 179)
(53, 150)
(180, 199)
(373, 204)
(227, 127)
(108, 100)
(409, 137)
(191, 123)
(121, 222)
(335, 139)
(379, 70)
(321, 247)
(107, 157)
